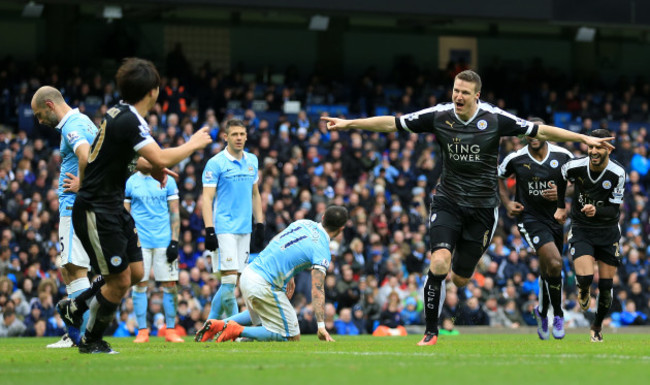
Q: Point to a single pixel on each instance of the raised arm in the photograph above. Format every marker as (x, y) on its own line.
(558, 134)
(318, 302)
(375, 123)
(169, 157)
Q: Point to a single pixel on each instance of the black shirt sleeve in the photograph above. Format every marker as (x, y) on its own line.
(419, 121)
(511, 125)
(136, 132)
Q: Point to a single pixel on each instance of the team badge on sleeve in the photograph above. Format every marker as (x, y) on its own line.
(72, 136)
(325, 263)
(144, 131)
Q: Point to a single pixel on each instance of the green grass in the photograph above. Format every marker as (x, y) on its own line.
(623, 359)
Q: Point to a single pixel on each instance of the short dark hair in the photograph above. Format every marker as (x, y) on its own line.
(135, 78)
(335, 217)
(233, 123)
(472, 77)
(600, 133)
(8, 313)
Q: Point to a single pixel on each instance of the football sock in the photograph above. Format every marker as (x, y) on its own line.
(216, 309)
(77, 287)
(228, 300)
(243, 318)
(83, 300)
(169, 305)
(260, 333)
(554, 285)
(604, 301)
(139, 296)
(432, 300)
(543, 296)
(584, 282)
(102, 314)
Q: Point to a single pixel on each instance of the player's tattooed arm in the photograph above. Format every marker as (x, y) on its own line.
(174, 218)
(318, 301)
(318, 294)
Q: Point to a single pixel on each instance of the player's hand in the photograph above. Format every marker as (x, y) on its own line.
(211, 242)
(201, 138)
(323, 335)
(336, 124)
(160, 174)
(560, 216)
(71, 183)
(172, 251)
(514, 208)
(589, 210)
(550, 194)
(291, 287)
(597, 142)
(258, 236)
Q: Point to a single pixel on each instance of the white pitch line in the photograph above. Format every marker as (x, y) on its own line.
(438, 354)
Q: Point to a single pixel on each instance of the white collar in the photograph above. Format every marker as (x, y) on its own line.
(548, 153)
(232, 158)
(65, 118)
(320, 226)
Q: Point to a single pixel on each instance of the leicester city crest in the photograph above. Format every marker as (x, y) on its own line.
(607, 185)
(482, 124)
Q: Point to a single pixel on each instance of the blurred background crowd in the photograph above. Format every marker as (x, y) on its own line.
(385, 181)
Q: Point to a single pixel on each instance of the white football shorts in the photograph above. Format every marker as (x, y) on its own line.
(268, 306)
(72, 251)
(233, 252)
(162, 270)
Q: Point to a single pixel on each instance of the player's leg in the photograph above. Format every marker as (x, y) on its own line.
(74, 264)
(609, 258)
(213, 327)
(551, 266)
(272, 308)
(478, 226)
(226, 261)
(444, 231)
(167, 273)
(541, 312)
(582, 252)
(119, 259)
(139, 296)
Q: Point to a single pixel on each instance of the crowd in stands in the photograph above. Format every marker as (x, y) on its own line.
(385, 181)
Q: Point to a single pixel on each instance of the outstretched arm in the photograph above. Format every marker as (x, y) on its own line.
(375, 123)
(558, 134)
(318, 302)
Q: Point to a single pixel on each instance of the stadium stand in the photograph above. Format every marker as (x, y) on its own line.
(384, 180)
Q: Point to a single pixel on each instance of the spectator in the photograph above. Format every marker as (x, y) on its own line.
(11, 326)
(345, 325)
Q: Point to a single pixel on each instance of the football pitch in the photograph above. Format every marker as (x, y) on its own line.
(478, 359)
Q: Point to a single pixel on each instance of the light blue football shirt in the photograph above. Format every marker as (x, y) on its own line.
(149, 208)
(76, 129)
(303, 245)
(232, 207)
